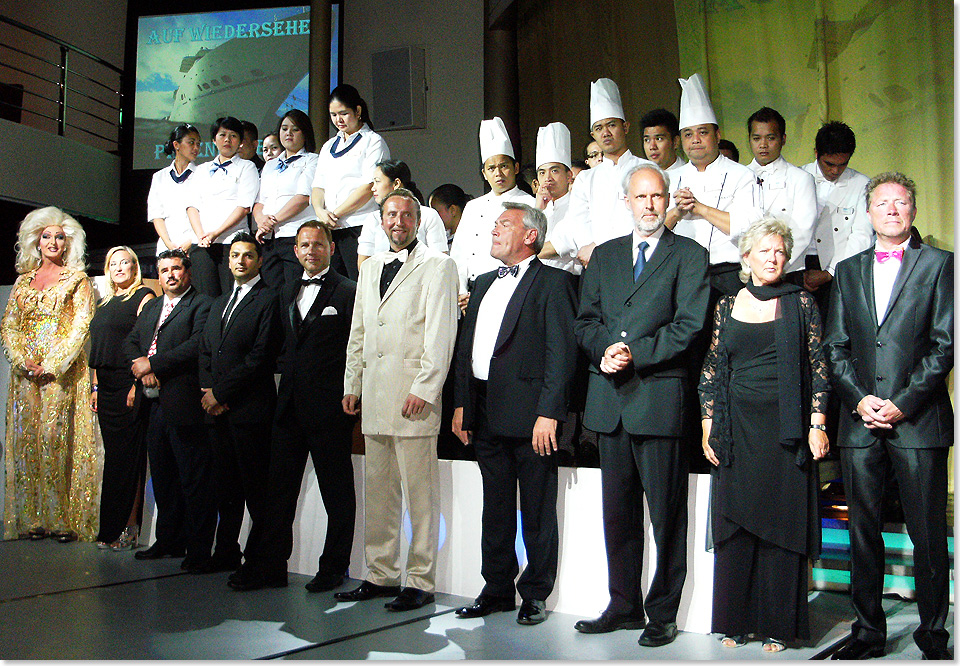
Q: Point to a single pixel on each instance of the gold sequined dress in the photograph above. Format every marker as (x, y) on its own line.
(53, 464)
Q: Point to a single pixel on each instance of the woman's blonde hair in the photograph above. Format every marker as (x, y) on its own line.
(28, 239)
(765, 226)
(111, 285)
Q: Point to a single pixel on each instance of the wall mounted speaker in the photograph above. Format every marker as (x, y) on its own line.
(399, 89)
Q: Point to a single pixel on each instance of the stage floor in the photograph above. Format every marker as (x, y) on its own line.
(74, 601)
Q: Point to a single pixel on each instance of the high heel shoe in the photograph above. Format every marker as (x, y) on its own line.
(128, 539)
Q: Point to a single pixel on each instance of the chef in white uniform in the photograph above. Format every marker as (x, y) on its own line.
(715, 199)
(472, 242)
(555, 177)
(597, 203)
(843, 228)
(787, 192)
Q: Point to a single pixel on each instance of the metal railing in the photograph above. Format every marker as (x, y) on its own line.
(60, 87)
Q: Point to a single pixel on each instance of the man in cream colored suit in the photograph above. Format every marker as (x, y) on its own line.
(401, 344)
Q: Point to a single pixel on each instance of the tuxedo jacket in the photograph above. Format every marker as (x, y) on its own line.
(402, 343)
(903, 355)
(314, 352)
(658, 317)
(535, 356)
(237, 359)
(178, 347)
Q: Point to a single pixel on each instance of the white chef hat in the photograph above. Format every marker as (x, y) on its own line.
(553, 145)
(494, 140)
(605, 101)
(695, 106)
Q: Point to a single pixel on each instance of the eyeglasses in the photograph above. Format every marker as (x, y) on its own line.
(595, 154)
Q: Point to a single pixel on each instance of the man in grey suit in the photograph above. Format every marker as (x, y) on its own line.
(643, 301)
(401, 343)
(890, 340)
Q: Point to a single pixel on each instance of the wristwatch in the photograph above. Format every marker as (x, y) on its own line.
(818, 426)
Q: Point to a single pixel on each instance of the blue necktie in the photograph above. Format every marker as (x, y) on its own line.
(218, 165)
(282, 165)
(641, 261)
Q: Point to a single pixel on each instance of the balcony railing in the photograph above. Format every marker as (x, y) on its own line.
(52, 85)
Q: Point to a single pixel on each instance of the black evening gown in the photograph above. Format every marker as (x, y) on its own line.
(123, 429)
(761, 502)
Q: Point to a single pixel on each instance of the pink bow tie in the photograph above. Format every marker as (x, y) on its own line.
(883, 256)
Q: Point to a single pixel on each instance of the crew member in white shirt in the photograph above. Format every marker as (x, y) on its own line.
(392, 175)
(843, 227)
(661, 139)
(555, 178)
(170, 191)
(472, 242)
(787, 192)
(284, 200)
(715, 198)
(223, 193)
(341, 194)
(597, 212)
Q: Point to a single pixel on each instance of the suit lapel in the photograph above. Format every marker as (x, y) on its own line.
(177, 309)
(238, 308)
(909, 262)
(319, 303)
(656, 259)
(413, 260)
(866, 281)
(512, 314)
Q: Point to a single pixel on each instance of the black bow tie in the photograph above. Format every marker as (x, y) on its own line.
(314, 280)
(503, 271)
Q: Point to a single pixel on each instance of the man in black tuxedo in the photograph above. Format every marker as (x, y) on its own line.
(316, 312)
(514, 366)
(237, 356)
(643, 300)
(890, 340)
(163, 348)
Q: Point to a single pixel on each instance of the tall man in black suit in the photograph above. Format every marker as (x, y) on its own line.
(316, 312)
(163, 348)
(890, 340)
(643, 301)
(237, 356)
(515, 362)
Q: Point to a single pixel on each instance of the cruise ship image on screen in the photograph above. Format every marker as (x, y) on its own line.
(247, 78)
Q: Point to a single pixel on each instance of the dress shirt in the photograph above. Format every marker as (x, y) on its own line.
(652, 241)
(789, 194)
(339, 176)
(244, 290)
(431, 233)
(598, 210)
(168, 201)
(490, 318)
(555, 211)
(843, 227)
(278, 187)
(724, 185)
(216, 195)
(308, 293)
(670, 172)
(392, 263)
(884, 275)
(472, 242)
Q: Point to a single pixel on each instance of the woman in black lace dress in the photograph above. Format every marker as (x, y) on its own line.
(116, 400)
(763, 395)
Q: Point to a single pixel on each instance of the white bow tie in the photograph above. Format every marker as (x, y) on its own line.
(401, 255)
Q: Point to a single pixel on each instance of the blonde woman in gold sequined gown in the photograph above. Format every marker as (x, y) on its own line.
(52, 460)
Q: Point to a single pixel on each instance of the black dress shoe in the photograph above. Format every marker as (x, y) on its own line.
(250, 580)
(486, 604)
(857, 649)
(658, 634)
(410, 598)
(214, 565)
(608, 622)
(939, 654)
(368, 590)
(157, 551)
(195, 564)
(324, 582)
(532, 611)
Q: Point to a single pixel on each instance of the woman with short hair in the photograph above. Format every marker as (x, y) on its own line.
(763, 395)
